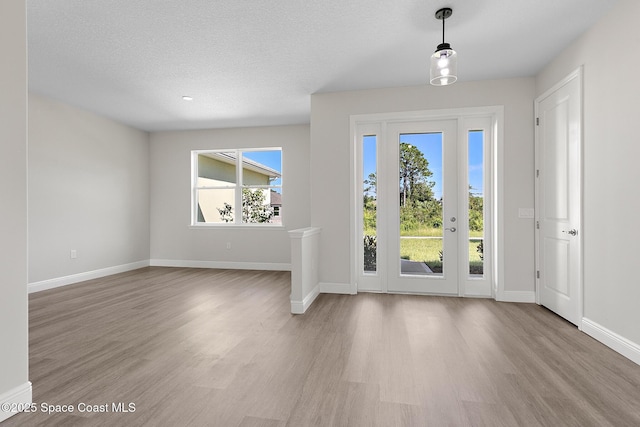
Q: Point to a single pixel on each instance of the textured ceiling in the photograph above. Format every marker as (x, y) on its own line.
(256, 62)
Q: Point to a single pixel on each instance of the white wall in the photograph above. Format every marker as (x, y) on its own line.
(174, 242)
(611, 58)
(330, 164)
(14, 357)
(88, 191)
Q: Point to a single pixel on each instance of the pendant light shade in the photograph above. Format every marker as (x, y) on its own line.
(444, 62)
(444, 67)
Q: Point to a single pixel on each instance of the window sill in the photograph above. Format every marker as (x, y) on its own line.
(237, 226)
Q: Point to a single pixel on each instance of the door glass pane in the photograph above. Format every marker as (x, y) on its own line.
(476, 203)
(369, 203)
(420, 191)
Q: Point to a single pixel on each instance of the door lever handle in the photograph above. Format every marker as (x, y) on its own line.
(452, 229)
(572, 232)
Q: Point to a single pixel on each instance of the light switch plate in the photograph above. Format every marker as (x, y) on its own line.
(526, 213)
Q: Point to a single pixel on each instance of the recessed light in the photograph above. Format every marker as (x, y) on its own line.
(187, 98)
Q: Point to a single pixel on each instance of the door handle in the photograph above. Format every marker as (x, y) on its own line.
(452, 229)
(572, 232)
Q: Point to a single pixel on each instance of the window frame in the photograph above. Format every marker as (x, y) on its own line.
(237, 187)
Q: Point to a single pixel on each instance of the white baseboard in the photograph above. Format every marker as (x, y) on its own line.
(625, 347)
(517, 296)
(81, 277)
(337, 288)
(300, 307)
(229, 265)
(20, 396)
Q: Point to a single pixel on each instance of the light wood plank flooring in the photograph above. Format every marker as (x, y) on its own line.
(220, 348)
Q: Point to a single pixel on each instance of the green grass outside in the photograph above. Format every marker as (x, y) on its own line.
(423, 232)
(428, 251)
(433, 232)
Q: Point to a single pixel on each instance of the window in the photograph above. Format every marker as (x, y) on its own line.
(224, 180)
(369, 203)
(475, 201)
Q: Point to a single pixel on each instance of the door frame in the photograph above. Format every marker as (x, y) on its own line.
(495, 182)
(576, 75)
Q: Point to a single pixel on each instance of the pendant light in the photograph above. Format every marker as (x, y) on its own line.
(444, 62)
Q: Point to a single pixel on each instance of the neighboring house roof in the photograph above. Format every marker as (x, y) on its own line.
(230, 157)
(276, 198)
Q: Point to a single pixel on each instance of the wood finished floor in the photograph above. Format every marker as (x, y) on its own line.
(220, 348)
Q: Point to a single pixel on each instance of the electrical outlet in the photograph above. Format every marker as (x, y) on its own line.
(74, 254)
(228, 246)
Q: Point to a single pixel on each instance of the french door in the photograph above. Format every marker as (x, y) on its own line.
(423, 191)
(423, 244)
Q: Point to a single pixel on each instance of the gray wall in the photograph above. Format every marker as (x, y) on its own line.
(13, 198)
(174, 242)
(611, 58)
(330, 164)
(88, 191)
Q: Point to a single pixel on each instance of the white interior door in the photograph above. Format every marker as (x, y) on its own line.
(412, 241)
(558, 193)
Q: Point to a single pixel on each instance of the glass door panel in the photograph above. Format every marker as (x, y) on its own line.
(370, 237)
(369, 204)
(475, 202)
(423, 252)
(475, 178)
(420, 194)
